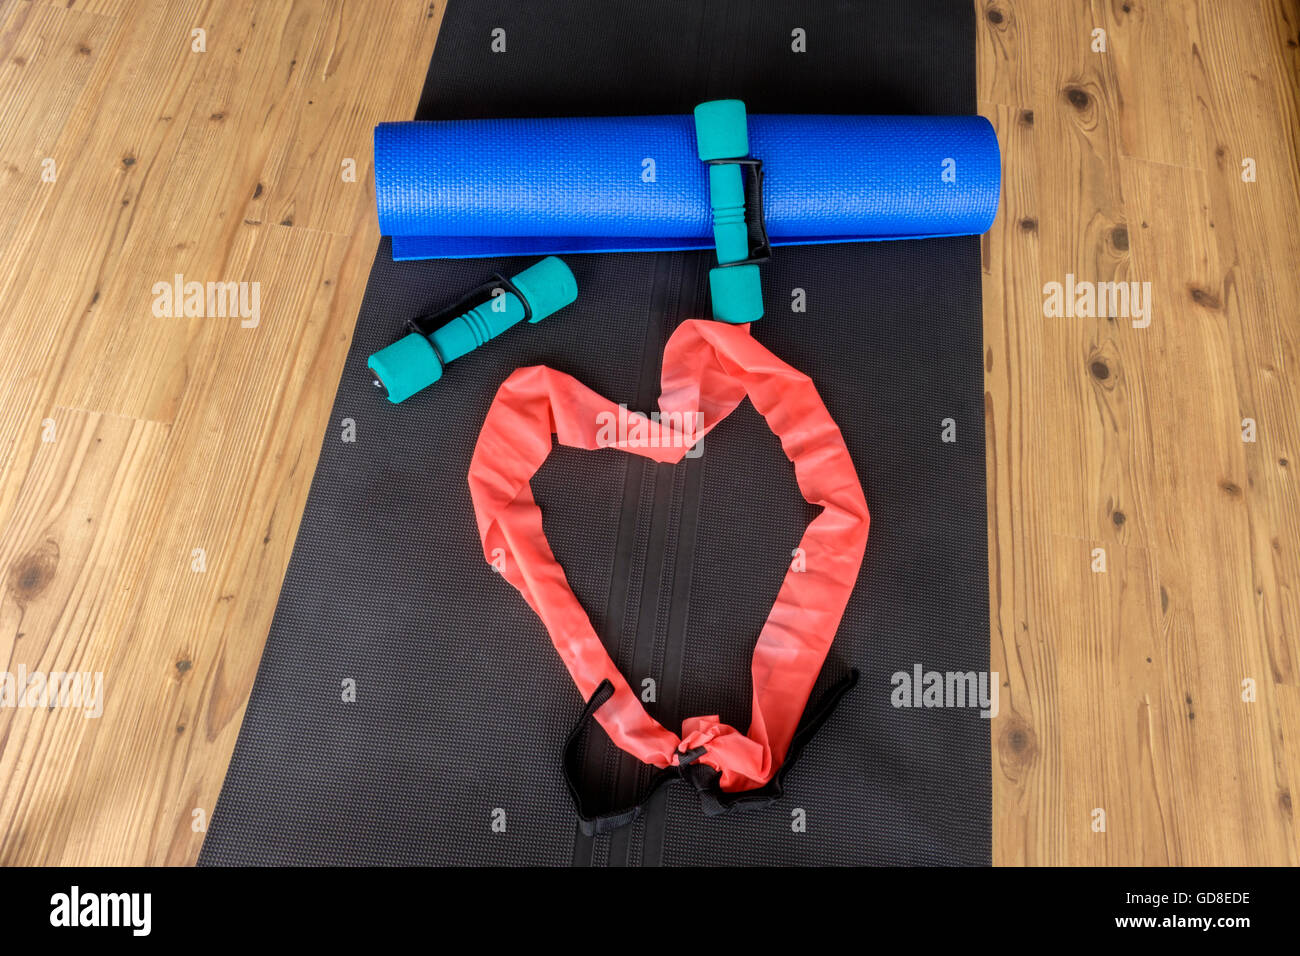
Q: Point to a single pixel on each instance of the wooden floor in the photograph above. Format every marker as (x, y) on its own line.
(129, 442)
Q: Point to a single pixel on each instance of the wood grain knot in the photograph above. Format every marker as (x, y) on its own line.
(1017, 747)
(1078, 97)
(32, 573)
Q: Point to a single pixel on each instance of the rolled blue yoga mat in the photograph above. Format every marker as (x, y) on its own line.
(466, 188)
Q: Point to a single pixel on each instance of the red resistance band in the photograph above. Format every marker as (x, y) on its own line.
(708, 368)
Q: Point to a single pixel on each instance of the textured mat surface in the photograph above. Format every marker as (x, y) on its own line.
(450, 751)
(613, 184)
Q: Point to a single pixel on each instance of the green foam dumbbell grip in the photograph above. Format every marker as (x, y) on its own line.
(416, 361)
(727, 197)
(721, 131)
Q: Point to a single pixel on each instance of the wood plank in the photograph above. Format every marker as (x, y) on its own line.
(1013, 335)
(1150, 50)
(72, 565)
(1125, 688)
(234, 416)
(46, 57)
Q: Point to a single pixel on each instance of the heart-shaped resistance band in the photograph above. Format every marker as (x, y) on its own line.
(708, 368)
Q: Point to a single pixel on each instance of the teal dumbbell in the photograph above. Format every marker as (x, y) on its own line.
(416, 361)
(721, 133)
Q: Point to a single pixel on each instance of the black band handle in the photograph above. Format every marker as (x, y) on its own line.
(594, 823)
(702, 777)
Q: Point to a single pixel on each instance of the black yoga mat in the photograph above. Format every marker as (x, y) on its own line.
(450, 752)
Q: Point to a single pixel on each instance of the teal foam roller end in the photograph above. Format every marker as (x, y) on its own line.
(547, 286)
(405, 367)
(737, 293)
(721, 131)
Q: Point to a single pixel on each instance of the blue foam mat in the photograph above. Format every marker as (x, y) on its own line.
(469, 188)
